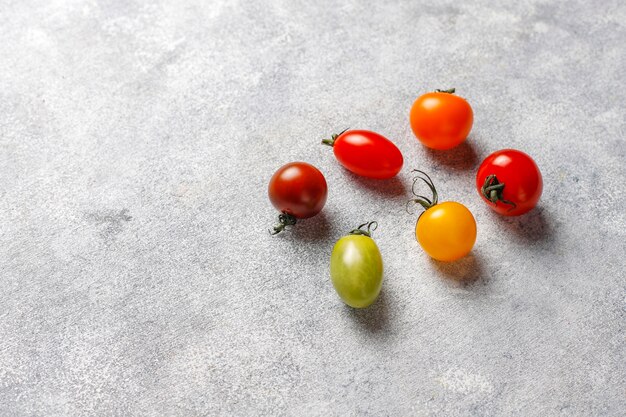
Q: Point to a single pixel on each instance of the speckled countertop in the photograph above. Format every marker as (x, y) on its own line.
(137, 277)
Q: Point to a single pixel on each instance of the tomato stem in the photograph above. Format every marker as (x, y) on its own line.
(331, 141)
(371, 226)
(493, 189)
(284, 220)
(420, 199)
(448, 91)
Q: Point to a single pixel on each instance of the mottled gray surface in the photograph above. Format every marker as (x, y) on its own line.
(137, 276)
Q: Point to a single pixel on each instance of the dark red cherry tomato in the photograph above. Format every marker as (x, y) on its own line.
(298, 190)
(510, 182)
(366, 153)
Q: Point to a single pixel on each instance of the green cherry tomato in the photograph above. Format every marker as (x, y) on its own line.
(356, 268)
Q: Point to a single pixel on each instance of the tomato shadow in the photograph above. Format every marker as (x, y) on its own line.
(460, 158)
(466, 271)
(388, 188)
(530, 228)
(375, 318)
(315, 229)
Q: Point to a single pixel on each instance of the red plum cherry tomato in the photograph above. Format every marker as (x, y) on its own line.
(366, 153)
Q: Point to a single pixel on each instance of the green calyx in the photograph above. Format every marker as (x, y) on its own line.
(420, 199)
(371, 226)
(284, 220)
(449, 91)
(333, 138)
(492, 190)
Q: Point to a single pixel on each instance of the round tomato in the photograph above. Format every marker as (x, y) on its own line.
(366, 153)
(510, 182)
(298, 190)
(446, 231)
(356, 268)
(441, 120)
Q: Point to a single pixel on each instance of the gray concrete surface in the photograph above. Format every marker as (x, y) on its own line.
(137, 277)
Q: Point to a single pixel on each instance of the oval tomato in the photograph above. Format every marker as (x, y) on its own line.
(510, 182)
(441, 120)
(298, 190)
(366, 153)
(446, 231)
(356, 268)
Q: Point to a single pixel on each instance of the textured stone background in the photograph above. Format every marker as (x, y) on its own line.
(137, 274)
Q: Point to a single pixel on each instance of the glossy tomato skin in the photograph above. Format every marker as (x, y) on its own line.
(446, 231)
(356, 270)
(441, 120)
(522, 180)
(298, 189)
(368, 154)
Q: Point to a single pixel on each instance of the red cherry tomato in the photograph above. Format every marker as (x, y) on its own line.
(366, 153)
(510, 182)
(441, 120)
(298, 190)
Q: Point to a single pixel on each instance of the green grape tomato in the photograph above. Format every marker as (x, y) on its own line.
(356, 270)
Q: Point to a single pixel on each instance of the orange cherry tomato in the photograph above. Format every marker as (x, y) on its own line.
(441, 120)
(446, 231)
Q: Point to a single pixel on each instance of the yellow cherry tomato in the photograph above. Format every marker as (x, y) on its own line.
(446, 231)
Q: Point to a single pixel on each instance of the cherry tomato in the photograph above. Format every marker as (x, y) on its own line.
(298, 190)
(356, 268)
(510, 182)
(441, 120)
(446, 231)
(366, 153)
